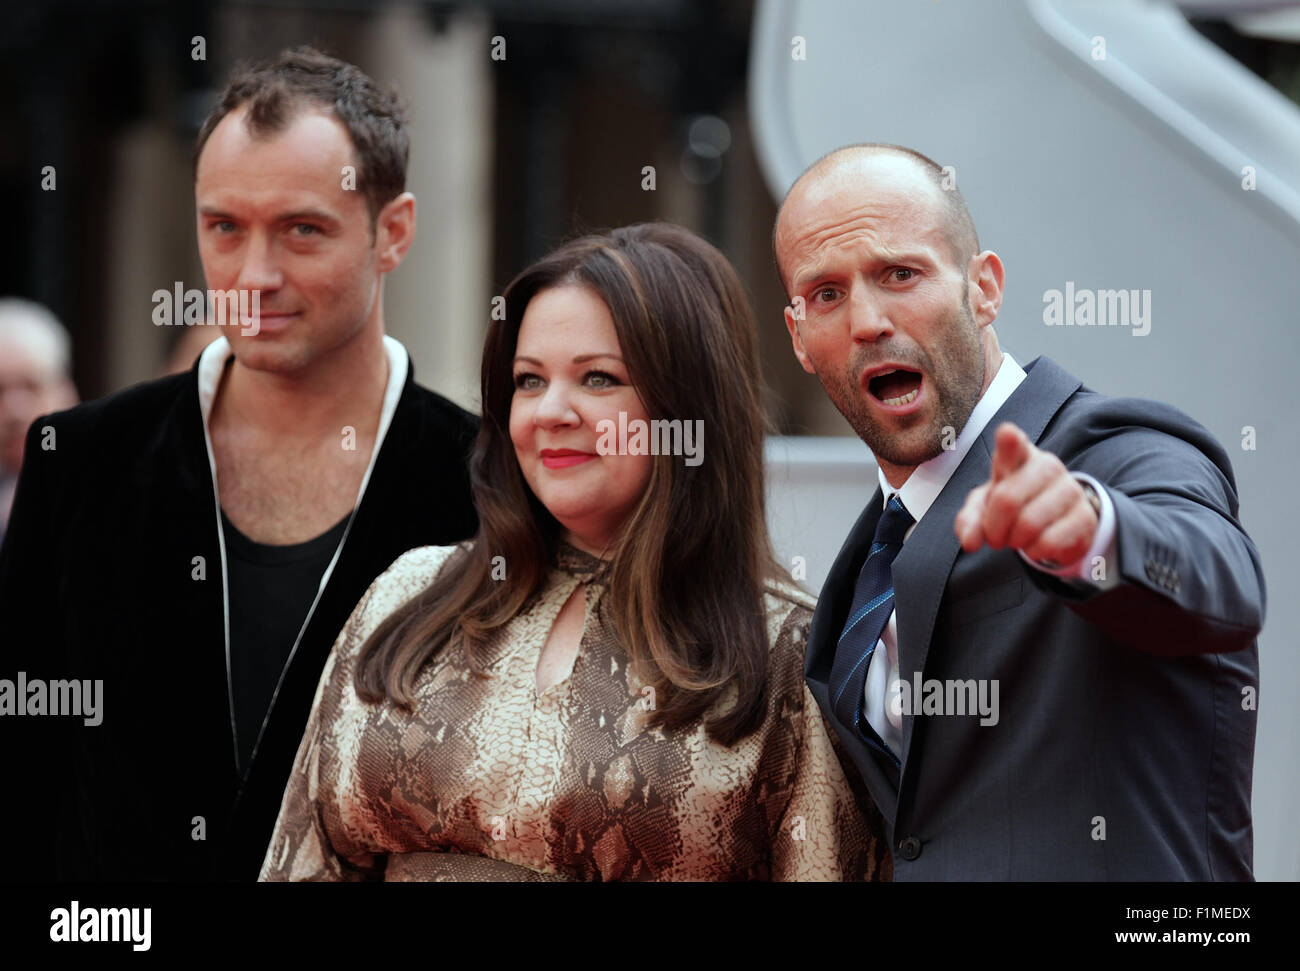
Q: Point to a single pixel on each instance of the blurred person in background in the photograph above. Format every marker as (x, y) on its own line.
(35, 379)
(194, 544)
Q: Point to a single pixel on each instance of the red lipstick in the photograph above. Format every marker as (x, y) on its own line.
(563, 458)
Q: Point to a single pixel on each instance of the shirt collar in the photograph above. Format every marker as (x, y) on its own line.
(927, 480)
(580, 564)
(212, 367)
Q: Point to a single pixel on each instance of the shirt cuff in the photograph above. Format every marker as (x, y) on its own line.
(1097, 569)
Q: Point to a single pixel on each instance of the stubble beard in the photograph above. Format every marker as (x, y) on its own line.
(954, 376)
(310, 341)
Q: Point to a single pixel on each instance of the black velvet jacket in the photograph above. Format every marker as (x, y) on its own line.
(99, 581)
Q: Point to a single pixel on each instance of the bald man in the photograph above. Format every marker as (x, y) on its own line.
(1038, 641)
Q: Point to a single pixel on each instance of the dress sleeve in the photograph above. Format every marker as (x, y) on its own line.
(301, 847)
(313, 838)
(829, 830)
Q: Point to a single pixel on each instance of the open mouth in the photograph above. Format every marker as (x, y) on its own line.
(895, 388)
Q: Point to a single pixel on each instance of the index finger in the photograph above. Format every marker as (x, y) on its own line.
(1010, 451)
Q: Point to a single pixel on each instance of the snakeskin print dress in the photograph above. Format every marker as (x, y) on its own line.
(486, 779)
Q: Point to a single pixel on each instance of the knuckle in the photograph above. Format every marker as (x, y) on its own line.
(1033, 522)
(1002, 503)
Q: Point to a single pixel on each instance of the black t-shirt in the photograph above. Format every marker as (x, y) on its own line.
(271, 590)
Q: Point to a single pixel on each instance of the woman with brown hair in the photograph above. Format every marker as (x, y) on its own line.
(607, 682)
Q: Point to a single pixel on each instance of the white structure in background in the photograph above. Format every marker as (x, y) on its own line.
(816, 489)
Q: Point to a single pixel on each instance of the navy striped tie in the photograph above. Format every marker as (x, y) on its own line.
(873, 602)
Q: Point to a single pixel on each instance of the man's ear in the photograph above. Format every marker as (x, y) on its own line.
(395, 231)
(792, 325)
(985, 279)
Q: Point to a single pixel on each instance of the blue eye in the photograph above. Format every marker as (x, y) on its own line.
(602, 380)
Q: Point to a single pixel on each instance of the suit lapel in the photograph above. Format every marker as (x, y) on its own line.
(176, 465)
(1047, 386)
(921, 573)
(922, 568)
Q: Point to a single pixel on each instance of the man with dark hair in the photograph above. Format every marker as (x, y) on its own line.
(374, 119)
(1038, 642)
(191, 547)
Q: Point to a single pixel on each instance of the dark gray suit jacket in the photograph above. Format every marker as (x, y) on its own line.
(1124, 744)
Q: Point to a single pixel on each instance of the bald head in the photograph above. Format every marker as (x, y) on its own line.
(864, 171)
(34, 379)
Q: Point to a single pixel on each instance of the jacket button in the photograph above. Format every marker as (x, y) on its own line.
(909, 848)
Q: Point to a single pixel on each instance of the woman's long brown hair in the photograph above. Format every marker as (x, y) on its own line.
(686, 578)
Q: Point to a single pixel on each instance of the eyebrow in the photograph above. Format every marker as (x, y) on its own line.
(882, 256)
(803, 279)
(580, 359)
(319, 215)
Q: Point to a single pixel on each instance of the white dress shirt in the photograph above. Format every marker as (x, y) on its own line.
(918, 494)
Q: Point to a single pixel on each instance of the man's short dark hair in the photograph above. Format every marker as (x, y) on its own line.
(302, 78)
